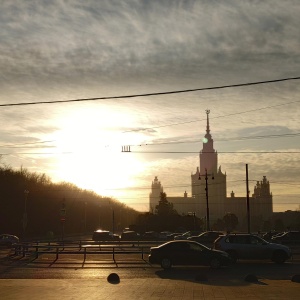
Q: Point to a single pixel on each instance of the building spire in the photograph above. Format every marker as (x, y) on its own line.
(207, 126)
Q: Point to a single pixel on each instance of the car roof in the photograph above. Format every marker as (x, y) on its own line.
(101, 231)
(181, 241)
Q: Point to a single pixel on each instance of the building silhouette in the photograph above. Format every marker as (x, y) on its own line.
(208, 185)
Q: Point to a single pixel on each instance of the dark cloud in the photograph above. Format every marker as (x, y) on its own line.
(64, 41)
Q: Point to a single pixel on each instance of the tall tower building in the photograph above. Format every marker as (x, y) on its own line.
(209, 190)
(209, 171)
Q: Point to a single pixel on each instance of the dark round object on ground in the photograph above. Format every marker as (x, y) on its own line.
(113, 278)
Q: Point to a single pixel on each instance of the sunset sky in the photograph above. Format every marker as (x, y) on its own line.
(67, 50)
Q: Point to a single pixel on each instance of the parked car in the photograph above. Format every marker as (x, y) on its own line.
(186, 235)
(187, 253)
(164, 235)
(287, 238)
(8, 240)
(130, 236)
(249, 246)
(104, 235)
(206, 238)
(268, 235)
(171, 236)
(150, 236)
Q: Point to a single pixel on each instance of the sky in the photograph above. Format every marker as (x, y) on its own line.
(53, 51)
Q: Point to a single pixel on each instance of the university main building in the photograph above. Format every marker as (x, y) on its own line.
(208, 186)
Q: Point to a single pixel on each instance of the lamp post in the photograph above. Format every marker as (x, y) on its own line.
(193, 213)
(99, 205)
(113, 216)
(206, 194)
(85, 204)
(248, 203)
(63, 213)
(25, 219)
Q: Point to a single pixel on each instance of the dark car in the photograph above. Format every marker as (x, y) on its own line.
(268, 235)
(287, 238)
(185, 252)
(150, 236)
(8, 240)
(250, 246)
(206, 238)
(186, 235)
(104, 235)
(130, 236)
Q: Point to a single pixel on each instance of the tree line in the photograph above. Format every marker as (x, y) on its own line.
(31, 205)
(51, 208)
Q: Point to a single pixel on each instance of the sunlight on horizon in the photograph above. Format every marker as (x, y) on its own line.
(96, 161)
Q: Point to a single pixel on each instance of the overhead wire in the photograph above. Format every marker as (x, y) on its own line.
(217, 117)
(151, 94)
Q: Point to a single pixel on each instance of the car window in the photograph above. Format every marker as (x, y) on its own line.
(178, 246)
(238, 239)
(255, 241)
(195, 247)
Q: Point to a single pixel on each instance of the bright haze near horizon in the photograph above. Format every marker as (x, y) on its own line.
(64, 50)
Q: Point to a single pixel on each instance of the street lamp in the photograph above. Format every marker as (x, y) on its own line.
(206, 193)
(25, 219)
(85, 204)
(113, 216)
(193, 213)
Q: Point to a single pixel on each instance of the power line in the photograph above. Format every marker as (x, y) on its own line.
(162, 152)
(29, 143)
(224, 152)
(167, 143)
(217, 117)
(225, 140)
(151, 94)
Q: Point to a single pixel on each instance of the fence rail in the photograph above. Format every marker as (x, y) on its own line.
(84, 248)
(88, 247)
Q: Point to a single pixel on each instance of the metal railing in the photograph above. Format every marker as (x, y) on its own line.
(35, 249)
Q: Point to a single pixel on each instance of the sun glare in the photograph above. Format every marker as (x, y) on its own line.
(95, 159)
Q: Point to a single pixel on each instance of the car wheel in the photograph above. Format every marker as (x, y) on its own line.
(233, 255)
(279, 257)
(215, 263)
(166, 263)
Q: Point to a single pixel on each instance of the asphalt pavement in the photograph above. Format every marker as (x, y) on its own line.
(156, 288)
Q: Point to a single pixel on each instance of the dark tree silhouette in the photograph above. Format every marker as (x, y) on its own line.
(164, 207)
(230, 221)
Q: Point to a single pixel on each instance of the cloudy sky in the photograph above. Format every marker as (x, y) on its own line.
(64, 50)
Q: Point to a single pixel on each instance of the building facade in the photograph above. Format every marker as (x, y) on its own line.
(209, 191)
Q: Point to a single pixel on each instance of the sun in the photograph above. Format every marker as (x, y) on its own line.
(94, 159)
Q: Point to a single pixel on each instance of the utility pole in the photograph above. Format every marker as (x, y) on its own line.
(206, 194)
(248, 204)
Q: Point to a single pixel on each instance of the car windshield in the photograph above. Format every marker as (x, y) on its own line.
(196, 247)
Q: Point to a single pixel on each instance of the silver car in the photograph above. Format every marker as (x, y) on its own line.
(250, 246)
